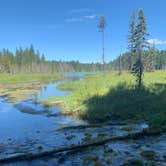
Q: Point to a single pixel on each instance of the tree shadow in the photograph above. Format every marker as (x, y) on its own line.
(125, 103)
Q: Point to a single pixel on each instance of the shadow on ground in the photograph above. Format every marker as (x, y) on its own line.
(126, 103)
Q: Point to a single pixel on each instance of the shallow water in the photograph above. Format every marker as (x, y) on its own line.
(28, 126)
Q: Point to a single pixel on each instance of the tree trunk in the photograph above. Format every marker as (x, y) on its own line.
(103, 56)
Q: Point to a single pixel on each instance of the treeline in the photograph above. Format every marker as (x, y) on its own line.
(30, 61)
(153, 59)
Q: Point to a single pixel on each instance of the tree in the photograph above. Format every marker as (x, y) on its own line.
(140, 44)
(101, 26)
(120, 69)
(150, 59)
(131, 39)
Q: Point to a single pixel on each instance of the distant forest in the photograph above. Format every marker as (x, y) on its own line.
(30, 61)
(153, 59)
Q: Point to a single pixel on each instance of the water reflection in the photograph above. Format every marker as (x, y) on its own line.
(27, 124)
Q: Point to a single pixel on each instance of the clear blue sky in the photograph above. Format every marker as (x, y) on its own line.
(67, 29)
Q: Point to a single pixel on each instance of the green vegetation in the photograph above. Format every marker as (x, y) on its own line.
(148, 154)
(101, 98)
(133, 162)
(30, 61)
(139, 44)
(101, 26)
(28, 78)
(17, 86)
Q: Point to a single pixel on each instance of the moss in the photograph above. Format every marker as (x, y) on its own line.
(90, 158)
(151, 163)
(101, 136)
(98, 163)
(70, 137)
(149, 154)
(87, 137)
(133, 162)
(109, 161)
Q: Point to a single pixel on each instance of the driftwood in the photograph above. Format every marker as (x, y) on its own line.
(30, 156)
(91, 126)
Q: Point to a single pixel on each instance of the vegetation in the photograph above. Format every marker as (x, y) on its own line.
(28, 78)
(17, 86)
(30, 61)
(101, 26)
(101, 98)
(139, 45)
(131, 40)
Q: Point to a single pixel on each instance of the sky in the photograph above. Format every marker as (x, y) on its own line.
(67, 29)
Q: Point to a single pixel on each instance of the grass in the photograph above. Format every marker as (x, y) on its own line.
(99, 98)
(26, 78)
(17, 86)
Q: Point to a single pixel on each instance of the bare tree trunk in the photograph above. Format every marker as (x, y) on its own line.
(103, 56)
(140, 69)
(120, 70)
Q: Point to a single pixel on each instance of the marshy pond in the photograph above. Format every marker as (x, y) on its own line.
(28, 127)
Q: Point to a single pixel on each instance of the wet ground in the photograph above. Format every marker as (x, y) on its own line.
(29, 127)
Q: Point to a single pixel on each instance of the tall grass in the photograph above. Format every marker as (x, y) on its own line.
(99, 98)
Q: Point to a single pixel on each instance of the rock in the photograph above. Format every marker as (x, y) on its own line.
(149, 154)
(133, 162)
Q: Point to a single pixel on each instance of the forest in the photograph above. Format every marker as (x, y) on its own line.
(30, 61)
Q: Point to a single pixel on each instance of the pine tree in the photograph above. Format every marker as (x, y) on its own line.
(131, 39)
(140, 44)
(150, 59)
(101, 26)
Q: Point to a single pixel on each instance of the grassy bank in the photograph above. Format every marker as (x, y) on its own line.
(17, 86)
(99, 98)
(26, 78)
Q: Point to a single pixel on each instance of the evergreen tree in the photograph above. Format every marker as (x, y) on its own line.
(150, 59)
(140, 44)
(101, 26)
(131, 39)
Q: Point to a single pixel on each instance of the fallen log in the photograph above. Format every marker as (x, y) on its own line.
(31, 156)
(91, 126)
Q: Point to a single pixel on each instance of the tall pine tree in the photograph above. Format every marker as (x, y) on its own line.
(140, 44)
(101, 26)
(131, 39)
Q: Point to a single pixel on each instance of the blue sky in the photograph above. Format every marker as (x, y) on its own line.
(67, 29)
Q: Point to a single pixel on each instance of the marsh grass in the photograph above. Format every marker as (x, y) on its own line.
(17, 86)
(25, 78)
(101, 98)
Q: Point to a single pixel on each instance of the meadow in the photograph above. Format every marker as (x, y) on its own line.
(104, 97)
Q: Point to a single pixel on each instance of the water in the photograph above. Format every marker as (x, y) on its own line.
(28, 126)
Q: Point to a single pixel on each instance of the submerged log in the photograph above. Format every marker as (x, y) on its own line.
(91, 126)
(31, 156)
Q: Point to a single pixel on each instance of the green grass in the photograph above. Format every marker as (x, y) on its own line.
(25, 78)
(100, 98)
(17, 86)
